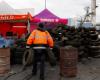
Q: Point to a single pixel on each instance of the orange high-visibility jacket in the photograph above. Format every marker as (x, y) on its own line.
(40, 37)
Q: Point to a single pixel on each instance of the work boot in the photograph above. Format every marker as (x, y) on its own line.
(41, 78)
(34, 73)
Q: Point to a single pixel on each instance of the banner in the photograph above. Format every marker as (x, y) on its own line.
(14, 17)
(64, 21)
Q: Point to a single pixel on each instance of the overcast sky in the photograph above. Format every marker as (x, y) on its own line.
(62, 8)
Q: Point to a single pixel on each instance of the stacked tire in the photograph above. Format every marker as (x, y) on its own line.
(94, 45)
(95, 49)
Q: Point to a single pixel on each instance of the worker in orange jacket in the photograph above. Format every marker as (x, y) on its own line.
(40, 39)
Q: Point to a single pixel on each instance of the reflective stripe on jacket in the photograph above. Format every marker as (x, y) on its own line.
(40, 37)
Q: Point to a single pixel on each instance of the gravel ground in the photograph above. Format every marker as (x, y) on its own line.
(89, 70)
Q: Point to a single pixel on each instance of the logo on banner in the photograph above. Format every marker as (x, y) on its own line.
(6, 17)
(20, 26)
(49, 20)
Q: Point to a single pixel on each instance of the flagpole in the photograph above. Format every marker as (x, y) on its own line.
(45, 4)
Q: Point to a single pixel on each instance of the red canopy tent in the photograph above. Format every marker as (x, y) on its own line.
(17, 24)
(48, 17)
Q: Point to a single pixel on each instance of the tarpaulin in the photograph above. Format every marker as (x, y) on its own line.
(47, 17)
(14, 23)
(17, 28)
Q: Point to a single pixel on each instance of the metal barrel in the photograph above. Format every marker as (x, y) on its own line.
(4, 61)
(68, 61)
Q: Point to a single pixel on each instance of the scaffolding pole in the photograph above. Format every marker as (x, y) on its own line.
(93, 10)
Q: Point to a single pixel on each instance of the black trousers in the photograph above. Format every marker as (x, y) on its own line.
(39, 56)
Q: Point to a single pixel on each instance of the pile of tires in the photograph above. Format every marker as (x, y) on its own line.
(95, 49)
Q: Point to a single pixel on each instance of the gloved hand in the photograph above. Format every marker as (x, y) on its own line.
(27, 47)
(51, 48)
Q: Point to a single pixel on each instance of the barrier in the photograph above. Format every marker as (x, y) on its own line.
(68, 61)
(4, 61)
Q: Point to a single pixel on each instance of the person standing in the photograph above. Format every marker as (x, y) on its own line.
(40, 39)
(2, 41)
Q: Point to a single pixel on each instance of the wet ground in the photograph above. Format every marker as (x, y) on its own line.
(90, 70)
